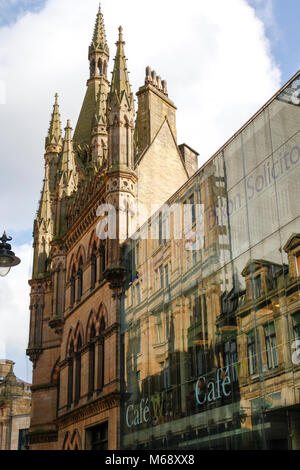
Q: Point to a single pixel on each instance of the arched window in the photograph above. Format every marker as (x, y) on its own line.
(73, 290)
(70, 374)
(92, 68)
(102, 261)
(101, 356)
(92, 361)
(94, 267)
(78, 370)
(80, 278)
(60, 291)
(100, 67)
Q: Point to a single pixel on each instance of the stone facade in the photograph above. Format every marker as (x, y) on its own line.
(15, 408)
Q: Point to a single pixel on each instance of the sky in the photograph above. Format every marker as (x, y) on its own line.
(222, 61)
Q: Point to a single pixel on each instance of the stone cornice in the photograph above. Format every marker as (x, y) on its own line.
(89, 410)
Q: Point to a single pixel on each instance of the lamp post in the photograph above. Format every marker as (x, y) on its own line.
(7, 257)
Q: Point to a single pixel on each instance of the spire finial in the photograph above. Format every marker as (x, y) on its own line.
(54, 133)
(120, 81)
(120, 34)
(99, 38)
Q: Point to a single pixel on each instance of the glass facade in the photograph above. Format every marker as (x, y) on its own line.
(211, 313)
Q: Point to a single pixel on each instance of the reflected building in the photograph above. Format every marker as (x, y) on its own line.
(210, 341)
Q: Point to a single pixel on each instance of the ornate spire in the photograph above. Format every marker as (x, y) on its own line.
(44, 217)
(100, 116)
(54, 133)
(68, 174)
(99, 41)
(120, 81)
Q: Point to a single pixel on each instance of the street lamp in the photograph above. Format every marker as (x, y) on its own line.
(7, 257)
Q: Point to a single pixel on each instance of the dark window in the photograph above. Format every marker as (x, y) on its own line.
(70, 374)
(230, 352)
(193, 208)
(101, 357)
(23, 442)
(92, 351)
(161, 272)
(102, 261)
(160, 228)
(256, 287)
(167, 275)
(78, 371)
(93, 267)
(296, 325)
(80, 279)
(99, 437)
(271, 347)
(72, 295)
(251, 348)
(138, 293)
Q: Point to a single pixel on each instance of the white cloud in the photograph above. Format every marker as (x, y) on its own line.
(14, 311)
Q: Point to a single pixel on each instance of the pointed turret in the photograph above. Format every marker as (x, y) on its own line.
(99, 42)
(120, 84)
(54, 134)
(53, 147)
(99, 140)
(120, 179)
(68, 176)
(120, 113)
(98, 58)
(43, 230)
(44, 217)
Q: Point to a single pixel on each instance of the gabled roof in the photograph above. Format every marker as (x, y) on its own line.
(292, 242)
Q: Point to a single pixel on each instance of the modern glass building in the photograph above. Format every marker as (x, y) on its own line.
(211, 311)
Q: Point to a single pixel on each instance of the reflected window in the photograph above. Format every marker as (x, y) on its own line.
(161, 273)
(256, 287)
(159, 330)
(230, 349)
(138, 293)
(298, 264)
(296, 325)
(167, 275)
(251, 349)
(137, 250)
(271, 347)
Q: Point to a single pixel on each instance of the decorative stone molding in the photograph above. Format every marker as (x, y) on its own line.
(89, 410)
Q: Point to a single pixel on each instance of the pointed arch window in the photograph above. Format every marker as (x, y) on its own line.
(70, 374)
(73, 290)
(60, 292)
(94, 267)
(102, 260)
(78, 371)
(80, 279)
(92, 361)
(101, 356)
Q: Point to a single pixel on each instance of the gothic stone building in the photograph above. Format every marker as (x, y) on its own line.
(114, 157)
(182, 331)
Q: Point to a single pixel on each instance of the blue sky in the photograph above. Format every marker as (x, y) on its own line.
(11, 10)
(286, 49)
